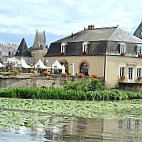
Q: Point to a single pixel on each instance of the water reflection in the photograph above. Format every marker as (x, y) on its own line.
(78, 130)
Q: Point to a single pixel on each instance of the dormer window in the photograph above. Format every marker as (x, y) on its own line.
(84, 47)
(122, 49)
(63, 48)
(139, 49)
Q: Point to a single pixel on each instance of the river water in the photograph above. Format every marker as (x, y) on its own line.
(71, 129)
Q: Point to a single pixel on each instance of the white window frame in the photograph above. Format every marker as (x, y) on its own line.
(139, 49)
(121, 71)
(131, 79)
(122, 48)
(139, 73)
(84, 46)
(63, 47)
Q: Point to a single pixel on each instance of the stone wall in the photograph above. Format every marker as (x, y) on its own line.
(8, 80)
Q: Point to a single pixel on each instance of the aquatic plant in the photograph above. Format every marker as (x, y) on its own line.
(58, 93)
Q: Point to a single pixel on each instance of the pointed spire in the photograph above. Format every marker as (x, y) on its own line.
(23, 49)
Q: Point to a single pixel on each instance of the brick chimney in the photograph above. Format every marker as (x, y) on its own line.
(91, 27)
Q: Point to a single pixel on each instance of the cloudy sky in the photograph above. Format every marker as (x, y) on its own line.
(59, 18)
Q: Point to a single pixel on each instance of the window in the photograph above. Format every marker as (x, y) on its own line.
(9, 53)
(63, 47)
(122, 71)
(139, 49)
(84, 46)
(122, 48)
(139, 72)
(130, 73)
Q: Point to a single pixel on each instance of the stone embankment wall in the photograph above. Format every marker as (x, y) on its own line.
(8, 80)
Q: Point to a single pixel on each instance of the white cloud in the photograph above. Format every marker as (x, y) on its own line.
(69, 2)
(62, 17)
(86, 9)
(39, 1)
(110, 1)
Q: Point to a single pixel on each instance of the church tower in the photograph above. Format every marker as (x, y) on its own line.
(39, 47)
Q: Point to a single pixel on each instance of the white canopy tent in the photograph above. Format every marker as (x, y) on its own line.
(57, 65)
(40, 65)
(1, 65)
(22, 64)
(12, 60)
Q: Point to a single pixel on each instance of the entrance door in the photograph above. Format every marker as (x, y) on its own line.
(84, 68)
(130, 73)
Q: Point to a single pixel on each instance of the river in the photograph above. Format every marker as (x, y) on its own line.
(72, 129)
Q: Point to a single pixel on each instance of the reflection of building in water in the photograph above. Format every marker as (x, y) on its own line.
(94, 130)
(122, 129)
(76, 129)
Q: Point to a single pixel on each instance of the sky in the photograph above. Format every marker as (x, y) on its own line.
(59, 18)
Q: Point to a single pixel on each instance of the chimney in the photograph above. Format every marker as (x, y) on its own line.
(72, 35)
(91, 27)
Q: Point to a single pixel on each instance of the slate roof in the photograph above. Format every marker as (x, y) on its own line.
(138, 32)
(23, 50)
(6, 47)
(101, 41)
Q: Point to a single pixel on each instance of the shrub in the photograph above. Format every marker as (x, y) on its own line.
(75, 85)
(58, 93)
(94, 84)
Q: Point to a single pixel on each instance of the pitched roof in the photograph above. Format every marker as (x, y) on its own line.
(121, 35)
(101, 41)
(90, 35)
(23, 50)
(138, 32)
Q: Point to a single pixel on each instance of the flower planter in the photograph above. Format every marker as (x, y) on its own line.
(140, 78)
(140, 55)
(61, 53)
(80, 75)
(122, 77)
(83, 53)
(123, 54)
(94, 75)
(64, 74)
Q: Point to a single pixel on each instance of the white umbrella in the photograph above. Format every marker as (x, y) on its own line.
(40, 65)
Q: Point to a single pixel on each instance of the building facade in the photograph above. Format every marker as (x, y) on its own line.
(109, 52)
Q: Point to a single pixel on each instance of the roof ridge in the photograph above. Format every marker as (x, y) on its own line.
(69, 36)
(107, 27)
(113, 33)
